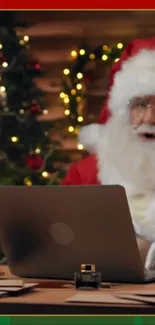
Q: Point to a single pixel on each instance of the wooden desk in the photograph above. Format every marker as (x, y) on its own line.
(50, 298)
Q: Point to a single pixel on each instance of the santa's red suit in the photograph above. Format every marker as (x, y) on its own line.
(117, 155)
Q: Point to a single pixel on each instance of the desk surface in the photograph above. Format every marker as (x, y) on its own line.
(50, 296)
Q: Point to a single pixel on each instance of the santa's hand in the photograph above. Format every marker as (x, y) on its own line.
(150, 258)
(145, 227)
(147, 224)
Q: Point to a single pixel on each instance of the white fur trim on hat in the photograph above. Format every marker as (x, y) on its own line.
(89, 136)
(136, 78)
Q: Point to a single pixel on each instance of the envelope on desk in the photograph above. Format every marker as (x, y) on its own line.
(16, 287)
(19, 289)
(99, 299)
(140, 293)
(147, 298)
(11, 283)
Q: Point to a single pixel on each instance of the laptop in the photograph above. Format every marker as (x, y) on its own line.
(48, 232)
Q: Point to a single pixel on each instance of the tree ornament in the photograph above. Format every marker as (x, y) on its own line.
(35, 109)
(34, 161)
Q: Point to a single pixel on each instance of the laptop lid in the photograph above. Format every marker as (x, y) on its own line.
(48, 232)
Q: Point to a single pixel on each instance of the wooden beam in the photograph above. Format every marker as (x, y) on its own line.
(126, 26)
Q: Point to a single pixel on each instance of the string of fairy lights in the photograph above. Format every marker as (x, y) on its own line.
(22, 114)
(4, 65)
(76, 82)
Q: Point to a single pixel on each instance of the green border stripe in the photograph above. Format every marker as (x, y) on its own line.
(5, 320)
(138, 320)
(74, 320)
(77, 320)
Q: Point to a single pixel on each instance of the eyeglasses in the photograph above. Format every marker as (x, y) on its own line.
(142, 103)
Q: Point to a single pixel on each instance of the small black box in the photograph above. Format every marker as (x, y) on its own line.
(88, 277)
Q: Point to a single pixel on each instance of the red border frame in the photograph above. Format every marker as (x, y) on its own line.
(77, 5)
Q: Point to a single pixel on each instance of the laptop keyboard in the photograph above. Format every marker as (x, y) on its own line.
(149, 275)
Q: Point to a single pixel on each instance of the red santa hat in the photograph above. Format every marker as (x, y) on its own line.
(133, 75)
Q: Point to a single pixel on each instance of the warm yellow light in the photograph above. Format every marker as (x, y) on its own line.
(44, 174)
(79, 75)
(74, 54)
(105, 47)
(67, 112)
(26, 38)
(4, 64)
(80, 146)
(66, 71)
(79, 86)
(45, 111)
(82, 52)
(21, 42)
(62, 95)
(104, 57)
(78, 99)
(70, 129)
(119, 45)
(21, 111)
(92, 56)
(66, 100)
(116, 60)
(1, 46)
(14, 139)
(80, 119)
(2, 89)
(37, 150)
(73, 91)
(28, 183)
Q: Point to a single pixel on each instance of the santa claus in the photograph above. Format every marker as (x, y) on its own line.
(122, 145)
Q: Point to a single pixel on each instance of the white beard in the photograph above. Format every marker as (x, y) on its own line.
(123, 158)
(123, 150)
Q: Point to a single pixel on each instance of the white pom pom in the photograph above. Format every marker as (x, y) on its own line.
(89, 136)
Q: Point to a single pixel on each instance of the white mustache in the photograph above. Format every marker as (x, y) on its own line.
(144, 128)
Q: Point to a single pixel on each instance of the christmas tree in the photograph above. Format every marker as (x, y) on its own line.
(28, 156)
